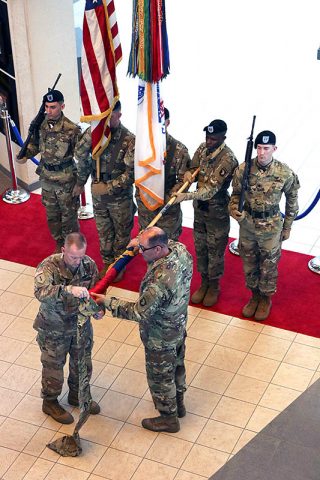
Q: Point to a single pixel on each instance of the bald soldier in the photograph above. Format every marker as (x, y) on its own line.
(161, 311)
(57, 169)
(177, 162)
(211, 228)
(262, 229)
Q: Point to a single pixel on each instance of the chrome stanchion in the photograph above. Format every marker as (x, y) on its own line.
(15, 194)
(314, 264)
(85, 211)
(233, 247)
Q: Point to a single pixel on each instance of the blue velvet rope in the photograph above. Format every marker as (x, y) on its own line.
(307, 210)
(19, 139)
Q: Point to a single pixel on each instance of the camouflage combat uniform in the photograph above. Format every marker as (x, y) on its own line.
(177, 163)
(58, 173)
(112, 196)
(211, 216)
(56, 322)
(261, 228)
(161, 311)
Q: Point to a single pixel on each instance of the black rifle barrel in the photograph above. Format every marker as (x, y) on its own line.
(35, 124)
(247, 167)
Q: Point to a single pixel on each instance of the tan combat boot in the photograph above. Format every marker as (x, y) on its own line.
(250, 308)
(181, 409)
(73, 400)
(162, 424)
(264, 307)
(211, 297)
(58, 413)
(199, 294)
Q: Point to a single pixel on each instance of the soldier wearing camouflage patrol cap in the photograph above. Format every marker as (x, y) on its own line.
(262, 228)
(217, 163)
(57, 169)
(161, 311)
(177, 162)
(61, 282)
(112, 190)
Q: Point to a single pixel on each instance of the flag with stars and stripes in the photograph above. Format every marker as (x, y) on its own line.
(101, 52)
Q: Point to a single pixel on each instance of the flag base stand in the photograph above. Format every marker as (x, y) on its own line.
(85, 212)
(314, 265)
(233, 247)
(15, 196)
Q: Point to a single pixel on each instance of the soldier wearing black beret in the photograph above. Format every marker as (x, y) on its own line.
(210, 201)
(262, 228)
(57, 169)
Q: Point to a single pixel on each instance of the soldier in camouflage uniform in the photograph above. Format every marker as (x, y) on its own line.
(262, 229)
(176, 164)
(57, 169)
(112, 195)
(211, 218)
(161, 311)
(61, 282)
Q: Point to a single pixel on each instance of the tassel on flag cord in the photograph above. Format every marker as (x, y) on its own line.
(101, 52)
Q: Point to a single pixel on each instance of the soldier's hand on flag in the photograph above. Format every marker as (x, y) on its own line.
(77, 190)
(179, 197)
(134, 242)
(101, 300)
(285, 234)
(187, 177)
(79, 292)
(239, 216)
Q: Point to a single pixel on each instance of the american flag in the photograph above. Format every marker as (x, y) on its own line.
(101, 52)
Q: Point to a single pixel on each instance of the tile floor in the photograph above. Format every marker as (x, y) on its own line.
(240, 374)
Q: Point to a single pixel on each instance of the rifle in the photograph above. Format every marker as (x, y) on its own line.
(35, 124)
(247, 167)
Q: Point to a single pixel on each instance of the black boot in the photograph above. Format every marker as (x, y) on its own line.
(181, 409)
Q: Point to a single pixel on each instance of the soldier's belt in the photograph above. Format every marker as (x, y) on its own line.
(265, 214)
(58, 168)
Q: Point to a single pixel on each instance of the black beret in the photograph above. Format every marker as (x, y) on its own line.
(166, 114)
(53, 96)
(117, 106)
(265, 138)
(215, 127)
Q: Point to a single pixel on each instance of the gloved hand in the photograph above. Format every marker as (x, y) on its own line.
(239, 216)
(77, 190)
(187, 177)
(180, 197)
(285, 234)
(78, 292)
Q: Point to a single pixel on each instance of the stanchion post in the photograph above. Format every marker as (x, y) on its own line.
(314, 265)
(85, 211)
(15, 194)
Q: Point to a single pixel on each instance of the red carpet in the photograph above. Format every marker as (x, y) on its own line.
(25, 239)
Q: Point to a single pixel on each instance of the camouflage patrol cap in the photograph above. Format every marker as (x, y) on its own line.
(53, 96)
(215, 127)
(265, 138)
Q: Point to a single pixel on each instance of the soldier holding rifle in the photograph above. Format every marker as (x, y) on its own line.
(54, 136)
(211, 218)
(262, 228)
